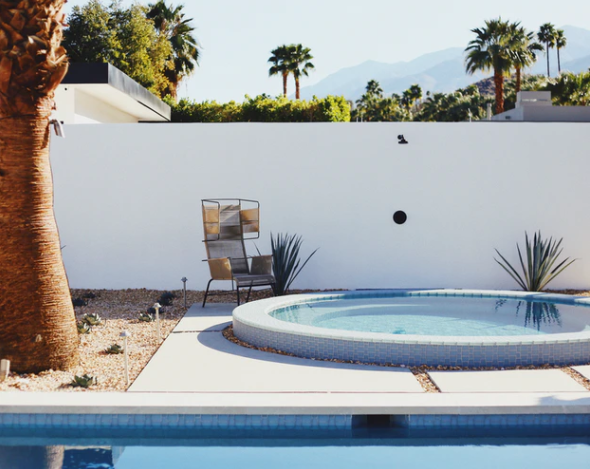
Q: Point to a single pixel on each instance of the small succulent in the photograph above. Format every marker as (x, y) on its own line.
(79, 302)
(114, 349)
(146, 317)
(84, 381)
(92, 319)
(166, 298)
(83, 328)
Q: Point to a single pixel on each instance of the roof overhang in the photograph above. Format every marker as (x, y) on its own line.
(112, 86)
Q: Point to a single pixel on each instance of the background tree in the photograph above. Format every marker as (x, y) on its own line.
(411, 96)
(374, 107)
(125, 39)
(459, 106)
(570, 89)
(560, 43)
(490, 50)
(523, 48)
(280, 60)
(546, 35)
(299, 64)
(37, 324)
(170, 22)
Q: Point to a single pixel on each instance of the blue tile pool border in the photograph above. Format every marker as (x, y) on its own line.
(277, 422)
(253, 324)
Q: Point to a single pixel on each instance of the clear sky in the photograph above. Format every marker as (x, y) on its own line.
(238, 35)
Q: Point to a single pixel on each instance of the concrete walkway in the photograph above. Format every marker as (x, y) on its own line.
(196, 358)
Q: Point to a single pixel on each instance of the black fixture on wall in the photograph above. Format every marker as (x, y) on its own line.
(402, 140)
(400, 217)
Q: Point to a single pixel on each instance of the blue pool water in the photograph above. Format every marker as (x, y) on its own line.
(440, 316)
(418, 450)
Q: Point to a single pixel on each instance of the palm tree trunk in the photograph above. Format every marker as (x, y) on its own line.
(558, 62)
(548, 70)
(518, 78)
(499, 83)
(37, 321)
(297, 90)
(285, 76)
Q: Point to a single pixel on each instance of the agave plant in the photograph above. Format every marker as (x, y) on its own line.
(285, 260)
(114, 349)
(83, 328)
(92, 319)
(541, 265)
(84, 381)
(146, 317)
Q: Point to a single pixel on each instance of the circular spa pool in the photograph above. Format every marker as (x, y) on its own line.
(423, 327)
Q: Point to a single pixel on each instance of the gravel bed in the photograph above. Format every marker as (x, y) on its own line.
(119, 310)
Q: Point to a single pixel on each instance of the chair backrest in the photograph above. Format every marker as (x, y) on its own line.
(234, 249)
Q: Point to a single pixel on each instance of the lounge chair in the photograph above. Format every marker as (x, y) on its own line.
(227, 223)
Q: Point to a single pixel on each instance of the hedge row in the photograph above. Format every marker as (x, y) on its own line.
(263, 109)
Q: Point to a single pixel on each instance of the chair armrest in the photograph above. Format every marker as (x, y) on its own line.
(261, 265)
(220, 269)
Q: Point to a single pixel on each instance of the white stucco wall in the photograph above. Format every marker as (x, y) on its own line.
(128, 199)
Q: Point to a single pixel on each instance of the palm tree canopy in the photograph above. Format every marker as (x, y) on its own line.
(300, 60)
(560, 39)
(523, 46)
(546, 34)
(170, 20)
(280, 61)
(490, 50)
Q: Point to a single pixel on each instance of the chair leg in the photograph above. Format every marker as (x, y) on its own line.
(206, 292)
(249, 291)
(238, 293)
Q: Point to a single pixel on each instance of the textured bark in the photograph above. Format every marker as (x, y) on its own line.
(548, 69)
(37, 325)
(297, 89)
(499, 82)
(37, 321)
(518, 79)
(285, 76)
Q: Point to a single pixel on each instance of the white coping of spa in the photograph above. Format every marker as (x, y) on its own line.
(257, 315)
(294, 404)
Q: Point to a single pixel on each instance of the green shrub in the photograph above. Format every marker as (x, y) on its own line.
(263, 109)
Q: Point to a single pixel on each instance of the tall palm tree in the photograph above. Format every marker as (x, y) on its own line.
(280, 60)
(170, 21)
(37, 321)
(490, 50)
(299, 64)
(523, 48)
(546, 35)
(560, 43)
(373, 88)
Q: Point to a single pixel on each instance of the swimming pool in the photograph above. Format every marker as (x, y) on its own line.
(457, 449)
(423, 327)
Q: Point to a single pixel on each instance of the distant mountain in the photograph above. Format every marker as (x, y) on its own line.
(441, 71)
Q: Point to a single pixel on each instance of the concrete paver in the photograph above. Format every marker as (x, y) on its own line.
(583, 370)
(505, 381)
(207, 362)
(214, 316)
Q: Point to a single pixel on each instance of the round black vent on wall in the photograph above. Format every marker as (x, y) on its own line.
(400, 217)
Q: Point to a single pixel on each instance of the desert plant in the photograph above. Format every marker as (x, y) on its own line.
(146, 317)
(285, 260)
(114, 349)
(79, 302)
(92, 319)
(83, 328)
(166, 298)
(84, 381)
(541, 257)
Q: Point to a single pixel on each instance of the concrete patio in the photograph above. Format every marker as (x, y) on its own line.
(196, 358)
